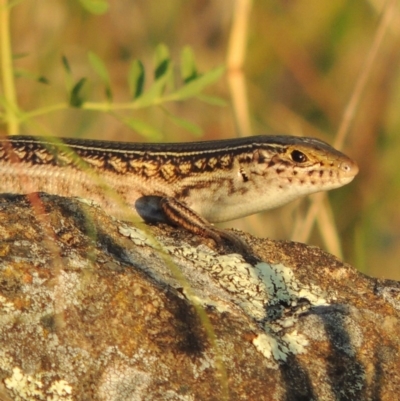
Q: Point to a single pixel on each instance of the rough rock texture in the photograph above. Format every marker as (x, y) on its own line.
(92, 308)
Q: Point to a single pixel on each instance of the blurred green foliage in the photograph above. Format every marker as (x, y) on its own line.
(303, 59)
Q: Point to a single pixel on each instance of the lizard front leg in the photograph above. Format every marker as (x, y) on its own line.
(181, 215)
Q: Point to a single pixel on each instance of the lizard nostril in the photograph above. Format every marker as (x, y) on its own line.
(349, 167)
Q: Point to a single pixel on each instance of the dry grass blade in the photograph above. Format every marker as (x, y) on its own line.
(235, 60)
(237, 84)
(349, 113)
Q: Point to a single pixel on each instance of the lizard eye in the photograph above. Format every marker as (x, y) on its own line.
(298, 157)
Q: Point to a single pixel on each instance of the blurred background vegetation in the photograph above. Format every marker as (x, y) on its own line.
(328, 69)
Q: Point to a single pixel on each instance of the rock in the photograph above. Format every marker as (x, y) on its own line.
(92, 308)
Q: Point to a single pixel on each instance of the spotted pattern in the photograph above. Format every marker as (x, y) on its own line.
(171, 162)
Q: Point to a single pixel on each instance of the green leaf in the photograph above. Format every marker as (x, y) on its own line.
(95, 6)
(76, 98)
(213, 100)
(161, 61)
(194, 87)
(136, 77)
(144, 129)
(68, 74)
(66, 65)
(186, 124)
(101, 69)
(161, 69)
(188, 65)
(30, 75)
(17, 56)
(154, 93)
(162, 76)
(99, 66)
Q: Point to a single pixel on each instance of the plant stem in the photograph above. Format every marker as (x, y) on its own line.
(44, 110)
(7, 71)
(93, 106)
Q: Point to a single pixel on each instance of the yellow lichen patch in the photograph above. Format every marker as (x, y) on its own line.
(9, 272)
(27, 278)
(121, 299)
(26, 387)
(4, 249)
(21, 303)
